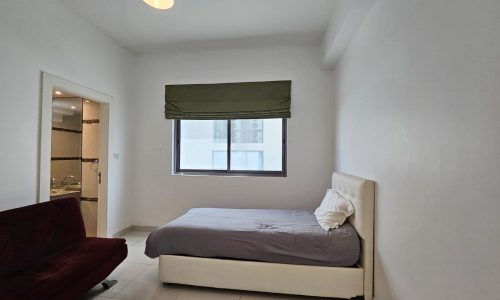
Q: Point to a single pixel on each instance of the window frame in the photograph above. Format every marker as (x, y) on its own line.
(228, 171)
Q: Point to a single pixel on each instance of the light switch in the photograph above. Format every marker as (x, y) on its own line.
(116, 155)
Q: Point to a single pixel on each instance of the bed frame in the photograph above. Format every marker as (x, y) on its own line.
(285, 278)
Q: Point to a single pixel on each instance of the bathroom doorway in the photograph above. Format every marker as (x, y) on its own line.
(74, 166)
(74, 149)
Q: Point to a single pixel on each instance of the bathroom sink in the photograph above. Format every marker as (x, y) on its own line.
(74, 187)
(60, 192)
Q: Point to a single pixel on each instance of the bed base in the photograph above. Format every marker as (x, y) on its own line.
(284, 278)
(262, 277)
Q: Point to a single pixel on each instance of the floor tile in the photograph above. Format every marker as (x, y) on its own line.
(149, 290)
(135, 236)
(195, 293)
(98, 291)
(268, 296)
(136, 255)
(127, 271)
(149, 275)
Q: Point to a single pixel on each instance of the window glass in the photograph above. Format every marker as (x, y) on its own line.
(247, 131)
(220, 131)
(256, 145)
(197, 146)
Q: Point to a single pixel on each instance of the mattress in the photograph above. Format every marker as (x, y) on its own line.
(268, 235)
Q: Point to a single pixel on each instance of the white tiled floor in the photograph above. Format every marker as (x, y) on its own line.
(138, 279)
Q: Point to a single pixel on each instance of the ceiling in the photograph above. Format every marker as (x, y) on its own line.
(66, 107)
(198, 23)
(57, 93)
(65, 104)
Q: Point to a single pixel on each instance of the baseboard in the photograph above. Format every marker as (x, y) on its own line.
(143, 228)
(122, 232)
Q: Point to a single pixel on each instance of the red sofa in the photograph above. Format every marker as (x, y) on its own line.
(45, 254)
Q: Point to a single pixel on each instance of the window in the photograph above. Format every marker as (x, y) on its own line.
(255, 147)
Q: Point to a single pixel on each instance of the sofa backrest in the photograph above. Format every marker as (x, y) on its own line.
(30, 233)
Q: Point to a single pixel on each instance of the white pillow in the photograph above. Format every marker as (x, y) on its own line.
(333, 211)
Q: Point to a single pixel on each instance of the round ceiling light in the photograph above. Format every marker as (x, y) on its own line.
(160, 4)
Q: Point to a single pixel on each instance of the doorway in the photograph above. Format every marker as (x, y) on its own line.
(74, 149)
(74, 166)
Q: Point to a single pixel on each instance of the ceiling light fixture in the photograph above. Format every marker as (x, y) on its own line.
(58, 93)
(160, 4)
(73, 107)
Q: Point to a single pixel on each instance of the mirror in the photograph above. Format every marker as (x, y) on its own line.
(66, 152)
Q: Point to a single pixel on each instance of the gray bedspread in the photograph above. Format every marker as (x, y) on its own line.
(269, 235)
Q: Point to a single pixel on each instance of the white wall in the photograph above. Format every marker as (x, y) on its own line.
(162, 196)
(418, 108)
(347, 16)
(43, 35)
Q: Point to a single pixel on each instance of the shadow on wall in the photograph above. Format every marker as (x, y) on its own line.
(380, 279)
(379, 275)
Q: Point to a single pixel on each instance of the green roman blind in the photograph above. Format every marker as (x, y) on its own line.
(242, 100)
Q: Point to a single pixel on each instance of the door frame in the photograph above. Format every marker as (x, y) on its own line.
(49, 82)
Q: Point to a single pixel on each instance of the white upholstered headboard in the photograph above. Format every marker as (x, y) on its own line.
(362, 194)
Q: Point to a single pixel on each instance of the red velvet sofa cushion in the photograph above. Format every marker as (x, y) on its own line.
(63, 269)
(78, 288)
(30, 233)
(44, 253)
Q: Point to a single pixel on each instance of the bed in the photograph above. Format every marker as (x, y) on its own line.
(268, 252)
(266, 235)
